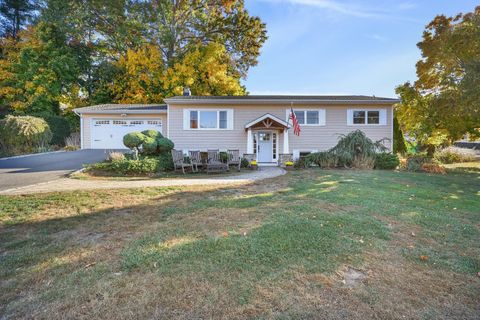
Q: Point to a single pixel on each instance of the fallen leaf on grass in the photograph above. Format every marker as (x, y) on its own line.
(423, 258)
(90, 265)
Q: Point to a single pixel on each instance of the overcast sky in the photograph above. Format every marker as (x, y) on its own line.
(342, 47)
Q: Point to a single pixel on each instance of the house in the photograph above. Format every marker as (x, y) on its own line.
(256, 125)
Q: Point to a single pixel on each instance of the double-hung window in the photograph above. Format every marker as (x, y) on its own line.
(207, 119)
(369, 117)
(310, 117)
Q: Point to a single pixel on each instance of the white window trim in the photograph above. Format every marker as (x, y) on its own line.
(382, 117)
(186, 119)
(321, 116)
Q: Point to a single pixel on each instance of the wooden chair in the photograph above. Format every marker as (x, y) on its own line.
(233, 158)
(195, 159)
(179, 161)
(214, 164)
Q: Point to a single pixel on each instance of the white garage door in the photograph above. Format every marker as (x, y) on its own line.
(108, 133)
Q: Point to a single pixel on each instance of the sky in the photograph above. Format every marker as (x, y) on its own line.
(342, 46)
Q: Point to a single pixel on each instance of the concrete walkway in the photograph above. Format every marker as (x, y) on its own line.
(66, 184)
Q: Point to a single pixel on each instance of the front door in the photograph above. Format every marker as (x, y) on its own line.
(265, 147)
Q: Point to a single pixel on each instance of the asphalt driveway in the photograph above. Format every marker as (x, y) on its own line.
(25, 171)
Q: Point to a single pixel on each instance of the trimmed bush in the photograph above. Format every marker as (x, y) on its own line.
(150, 145)
(60, 128)
(454, 155)
(165, 162)
(388, 161)
(24, 134)
(133, 140)
(165, 145)
(152, 134)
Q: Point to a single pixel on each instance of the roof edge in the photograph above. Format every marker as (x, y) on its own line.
(278, 101)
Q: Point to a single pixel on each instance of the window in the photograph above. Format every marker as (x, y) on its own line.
(310, 117)
(358, 117)
(374, 117)
(119, 122)
(154, 122)
(193, 119)
(300, 116)
(134, 122)
(255, 143)
(99, 122)
(223, 119)
(207, 119)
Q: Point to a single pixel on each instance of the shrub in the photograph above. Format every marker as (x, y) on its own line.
(144, 166)
(454, 154)
(433, 168)
(415, 163)
(73, 141)
(244, 163)
(165, 145)
(60, 128)
(385, 160)
(323, 159)
(149, 145)
(399, 145)
(116, 156)
(24, 134)
(165, 161)
(133, 140)
(223, 156)
(152, 134)
(357, 150)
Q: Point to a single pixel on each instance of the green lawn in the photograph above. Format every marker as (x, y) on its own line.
(283, 248)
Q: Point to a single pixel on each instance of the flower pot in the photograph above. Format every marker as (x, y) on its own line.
(254, 167)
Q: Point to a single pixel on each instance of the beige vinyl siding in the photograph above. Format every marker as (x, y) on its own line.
(324, 137)
(219, 139)
(311, 137)
(86, 125)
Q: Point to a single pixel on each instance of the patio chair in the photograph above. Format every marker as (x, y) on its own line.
(214, 164)
(179, 161)
(233, 158)
(195, 159)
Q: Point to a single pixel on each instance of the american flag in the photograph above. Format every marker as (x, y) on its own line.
(296, 126)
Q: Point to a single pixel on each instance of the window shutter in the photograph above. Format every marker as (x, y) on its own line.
(383, 117)
(349, 117)
(230, 119)
(321, 117)
(186, 119)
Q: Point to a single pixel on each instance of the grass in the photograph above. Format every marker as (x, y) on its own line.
(279, 249)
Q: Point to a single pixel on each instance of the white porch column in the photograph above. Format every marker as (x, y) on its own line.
(286, 148)
(249, 141)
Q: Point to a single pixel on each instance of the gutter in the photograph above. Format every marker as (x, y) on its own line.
(79, 111)
(278, 101)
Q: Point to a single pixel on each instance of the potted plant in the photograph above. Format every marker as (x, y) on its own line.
(253, 165)
(289, 165)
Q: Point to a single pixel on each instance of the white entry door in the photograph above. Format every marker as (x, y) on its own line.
(265, 150)
(109, 133)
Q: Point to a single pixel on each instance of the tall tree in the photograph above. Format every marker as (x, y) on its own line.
(14, 14)
(42, 70)
(444, 103)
